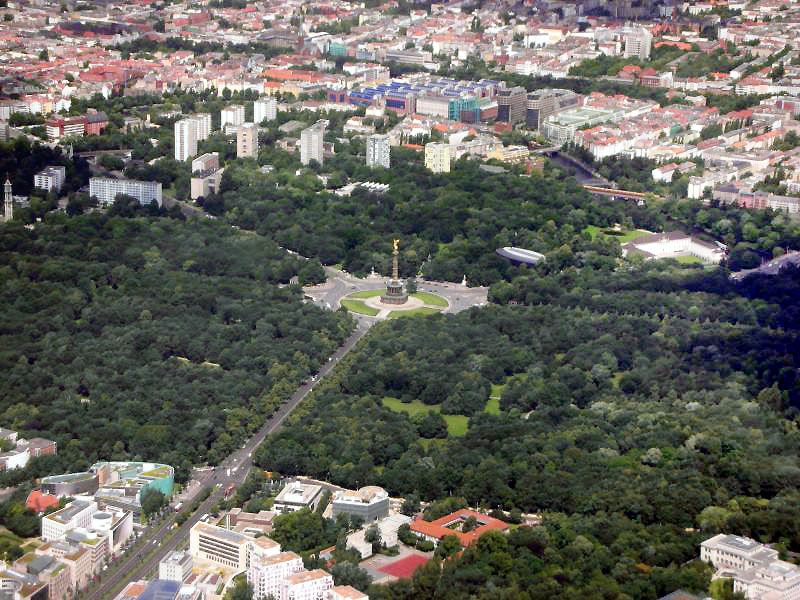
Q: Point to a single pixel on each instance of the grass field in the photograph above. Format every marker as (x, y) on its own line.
(456, 424)
(359, 307)
(627, 235)
(432, 299)
(414, 312)
(689, 260)
(366, 294)
(493, 405)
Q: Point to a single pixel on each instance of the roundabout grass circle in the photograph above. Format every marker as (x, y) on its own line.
(367, 302)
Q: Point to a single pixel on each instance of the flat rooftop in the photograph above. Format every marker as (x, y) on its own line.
(298, 493)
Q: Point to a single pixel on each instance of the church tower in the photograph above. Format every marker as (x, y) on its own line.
(8, 204)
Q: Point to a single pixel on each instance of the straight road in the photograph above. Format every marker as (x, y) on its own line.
(137, 563)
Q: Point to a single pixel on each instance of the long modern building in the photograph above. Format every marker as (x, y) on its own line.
(378, 151)
(106, 190)
(229, 548)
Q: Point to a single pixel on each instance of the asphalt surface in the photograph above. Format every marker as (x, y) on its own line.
(135, 564)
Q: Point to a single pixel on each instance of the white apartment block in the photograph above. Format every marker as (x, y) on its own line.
(77, 513)
(437, 157)
(756, 571)
(228, 548)
(638, 43)
(185, 139)
(176, 566)
(266, 576)
(345, 592)
(306, 585)
(203, 121)
(50, 179)
(106, 190)
(378, 151)
(247, 141)
(265, 108)
(312, 143)
(231, 115)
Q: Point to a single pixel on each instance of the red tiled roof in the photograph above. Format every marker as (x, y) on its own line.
(439, 528)
(39, 502)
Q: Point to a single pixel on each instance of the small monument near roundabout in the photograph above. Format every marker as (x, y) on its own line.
(395, 292)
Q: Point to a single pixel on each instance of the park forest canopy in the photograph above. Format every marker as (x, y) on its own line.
(116, 330)
(626, 409)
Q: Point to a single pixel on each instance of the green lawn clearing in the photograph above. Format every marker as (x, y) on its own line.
(366, 294)
(689, 260)
(357, 306)
(414, 312)
(456, 424)
(431, 299)
(622, 236)
(493, 405)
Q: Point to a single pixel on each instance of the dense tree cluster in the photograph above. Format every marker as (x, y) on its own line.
(458, 220)
(151, 338)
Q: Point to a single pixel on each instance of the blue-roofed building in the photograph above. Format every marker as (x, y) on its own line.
(161, 589)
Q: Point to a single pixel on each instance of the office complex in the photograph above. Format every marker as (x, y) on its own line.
(231, 115)
(511, 105)
(106, 190)
(312, 143)
(378, 151)
(437, 157)
(76, 514)
(50, 179)
(265, 108)
(185, 139)
(228, 548)
(247, 141)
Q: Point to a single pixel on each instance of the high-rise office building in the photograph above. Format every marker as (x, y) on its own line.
(437, 157)
(511, 104)
(185, 139)
(543, 103)
(311, 143)
(247, 141)
(378, 151)
(231, 115)
(638, 43)
(265, 108)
